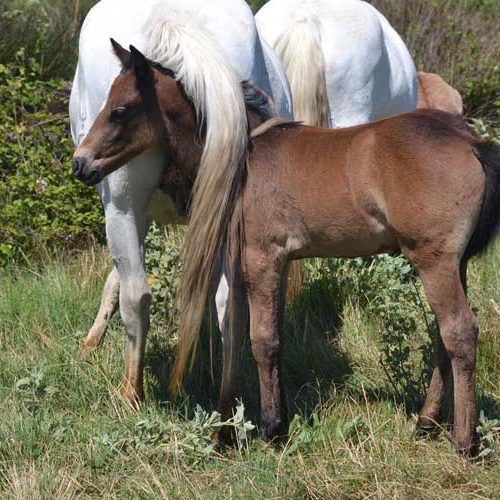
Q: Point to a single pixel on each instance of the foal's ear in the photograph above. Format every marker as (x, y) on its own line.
(140, 63)
(122, 54)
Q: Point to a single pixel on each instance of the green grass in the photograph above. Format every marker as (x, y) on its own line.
(64, 432)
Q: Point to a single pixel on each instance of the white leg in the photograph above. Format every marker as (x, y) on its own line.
(126, 195)
(232, 335)
(134, 298)
(109, 305)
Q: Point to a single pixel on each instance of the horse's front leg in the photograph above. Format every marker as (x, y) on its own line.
(265, 279)
(125, 235)
(126, 197)
(108, 307)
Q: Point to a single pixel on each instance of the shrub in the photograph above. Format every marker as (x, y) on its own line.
(46, 29)
(386, 290)
(457, 40)
(41, 205)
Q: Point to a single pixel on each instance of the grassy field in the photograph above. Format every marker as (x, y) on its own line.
(64, 432)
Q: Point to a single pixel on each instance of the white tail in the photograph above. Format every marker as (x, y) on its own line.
(180, 42)
(299, 48)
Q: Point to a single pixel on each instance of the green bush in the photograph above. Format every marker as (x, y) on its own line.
(46, 29)
(386, 290)
(458, 40)
(41, 205)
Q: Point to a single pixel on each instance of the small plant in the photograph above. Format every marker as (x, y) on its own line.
(163, 258)
(304, 435)
(33, 389)
(193, 439)
(353, 431)
(34, 383)
(488, 430)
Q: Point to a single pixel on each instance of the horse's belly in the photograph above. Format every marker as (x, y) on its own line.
(349, 241)
(162, 209)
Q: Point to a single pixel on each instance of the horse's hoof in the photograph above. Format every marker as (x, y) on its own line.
(132, 396)
(91, 343)
(273, 432)
(427, 428)
(90, 347)
(467, 447)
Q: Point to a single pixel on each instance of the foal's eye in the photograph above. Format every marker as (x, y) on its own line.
(118, 115)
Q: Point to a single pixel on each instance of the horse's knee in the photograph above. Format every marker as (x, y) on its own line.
(135, 299)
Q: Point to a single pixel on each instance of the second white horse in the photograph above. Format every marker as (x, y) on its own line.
(345, 63)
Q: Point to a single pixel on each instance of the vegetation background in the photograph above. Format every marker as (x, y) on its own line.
(357, 347)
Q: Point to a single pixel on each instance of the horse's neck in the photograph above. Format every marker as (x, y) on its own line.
(255, 119)
(185, 150)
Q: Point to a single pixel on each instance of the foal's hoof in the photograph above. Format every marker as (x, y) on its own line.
(226, 436)
(468, 447)
(427, 428)
(273, 432)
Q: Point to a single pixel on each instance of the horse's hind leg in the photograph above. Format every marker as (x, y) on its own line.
(429, 416)
(428, 419)
(459, 333)
(108, 307)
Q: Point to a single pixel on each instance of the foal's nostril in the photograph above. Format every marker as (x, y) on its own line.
(78, 164)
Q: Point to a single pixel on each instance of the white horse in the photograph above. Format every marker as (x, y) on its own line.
(345, 63)
(211, 45)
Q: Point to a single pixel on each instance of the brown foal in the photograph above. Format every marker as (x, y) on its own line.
(420, 183)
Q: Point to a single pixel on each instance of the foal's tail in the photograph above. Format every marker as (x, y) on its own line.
(488, 224)
(299, 48)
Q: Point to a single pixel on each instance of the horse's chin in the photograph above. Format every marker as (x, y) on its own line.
(99, 170)
(92, 177)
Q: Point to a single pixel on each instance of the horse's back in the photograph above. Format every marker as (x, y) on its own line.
(368, 70)
(229, 23)
(435, 93)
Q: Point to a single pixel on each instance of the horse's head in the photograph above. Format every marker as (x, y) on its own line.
(142, 104)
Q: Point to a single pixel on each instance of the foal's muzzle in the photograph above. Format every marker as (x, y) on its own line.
(84, 172)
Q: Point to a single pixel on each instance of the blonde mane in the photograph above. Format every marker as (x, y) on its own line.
(299, 49)
(181, 42)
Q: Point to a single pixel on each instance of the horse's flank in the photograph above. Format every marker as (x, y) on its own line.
(318, 172)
